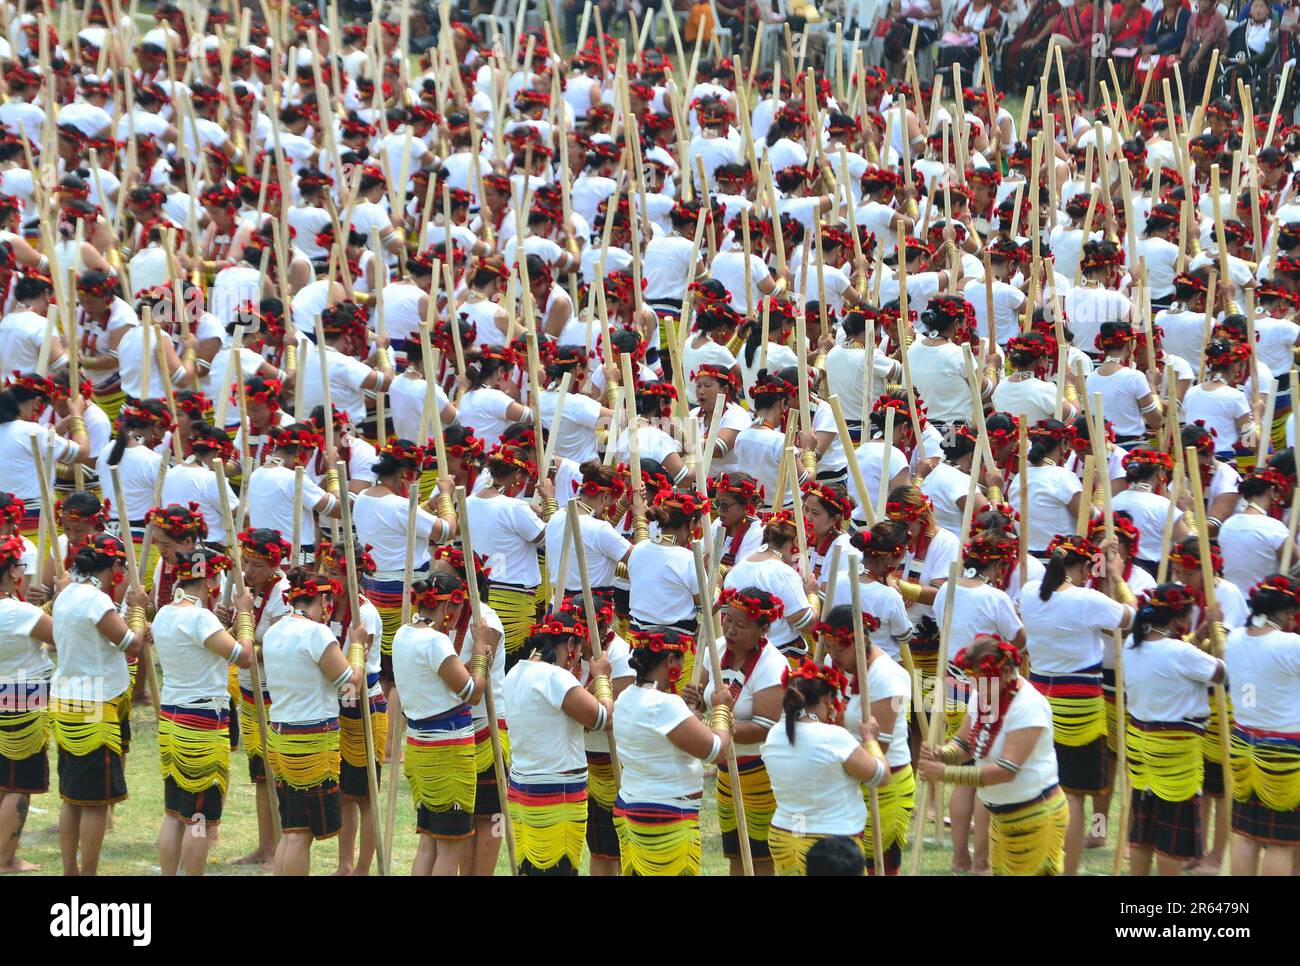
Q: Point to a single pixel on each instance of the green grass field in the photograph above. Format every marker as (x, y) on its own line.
(130, 847)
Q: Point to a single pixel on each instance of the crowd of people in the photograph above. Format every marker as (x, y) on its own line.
(560, 435)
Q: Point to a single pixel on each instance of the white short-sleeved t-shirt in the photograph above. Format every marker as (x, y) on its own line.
(619, 653)
(1250, 544)
(346, 374)
(779, 579)
(939, 375)
(1120, 392)
(484, 411)
(944, 548)
(1165, 679)
(406, 397)
(21, 657)
(193, 675)
(758, 453)
(300, 692)
(1090, 307)
(1029, 399)
(1051, 488)
(654, 769)
(544, 741)
(1219, 409)
(1264, 679)
(506, 530)
(814, 794)
(384, 522)
(886, 605)
(270, 502)
(765, 674)
(604, 546)
(977, 610)
(90, 666)
(945, 485)
(576, 437)
(886, 680)
(1064, 632)
(17, 466)
(1028, 709)
(872, 458)
(418, 655)
(664, 583)
(1148, 511)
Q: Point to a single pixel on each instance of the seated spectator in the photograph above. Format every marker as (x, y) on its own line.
(960, 44)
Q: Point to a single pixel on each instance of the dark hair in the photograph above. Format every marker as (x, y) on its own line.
(441, 583)
(644, 660)
(28, 287)
(203, 554)
(1253, 486)
(1152, 613)
(837, 855)
(1137, 472)
(546, 644)
(855, 321)
(83, 503)
(885, 538)
(957, 445)
(300, 576)
(1269, 600)
(90, 560)
(389, 465)
(1054, 572)
(206, 437)
(478, 370)
(1040, 446)
(127, 423)
(801, 693)
(669, 517)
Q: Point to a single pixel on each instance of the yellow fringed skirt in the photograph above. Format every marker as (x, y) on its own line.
(790, 849)
(1029, 838)
(304, 756)
(1165, 759)
(439, 766)
(657, 839)
(760, 806)
(895, 802)
(24, 764)
(517, 609)
(194, 748)
(550, 822)
(1266, 785)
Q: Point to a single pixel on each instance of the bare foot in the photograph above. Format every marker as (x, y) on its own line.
(1094, 842)
(1204, 867)
(18, 865)
(140, 700)
(961, 863)
(344, 870)
(254, 858)
(981, 870)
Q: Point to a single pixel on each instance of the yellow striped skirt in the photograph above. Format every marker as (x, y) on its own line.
(1029, 839)
(657, 839)
(1165, 759)
(760, 803)
(895, 802)
(304, 756)
(23, 734)
(439, 762)
(517, 608)
(80, 727)
(790, 849)
(1267, 765)
(194, 748)
(549, 821)
(352, 734)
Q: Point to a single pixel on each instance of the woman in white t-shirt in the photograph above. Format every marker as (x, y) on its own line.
(18, 412)
(666, 259)
(507, 533)
(948, 485)
(938, 364)
(1165, 679)
(1147, 471)
(1025, 393)
(715, 327)
(979, 606)
(549, 708)
(924, 568)
(487, 408)
(1126, 396)
(779, 355)
(1064, 622)
(1219, 479)
(89, 697)
(772, 568)
(1253, 540)
(661, 570)
(580, 415)
(752, 670)
(196, 653)
(306, 672)
(872, 555)
(438, 689)
(663, 747)
(817, 768)
(1055, 493)
(1008, 733)
(889, 693)
(1263, 668)
(24, 683)
(712, 383)
(1217, 402)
